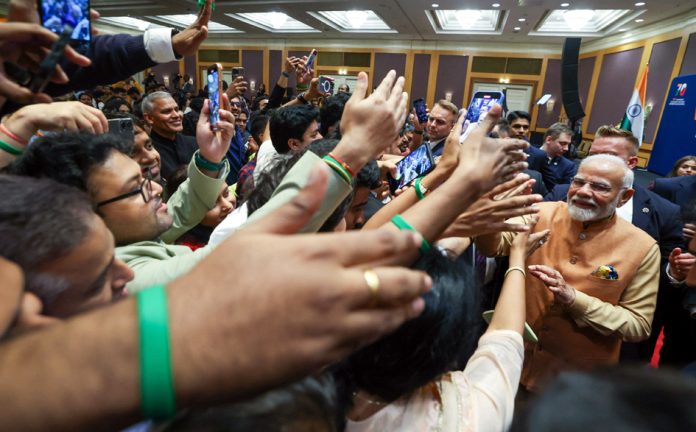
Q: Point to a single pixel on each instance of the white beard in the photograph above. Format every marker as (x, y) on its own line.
(594, 214)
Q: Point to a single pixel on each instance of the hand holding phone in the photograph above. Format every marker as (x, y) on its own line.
(326, 85)
(418, 163)
(421, 110)
(481, 103)
(214, 93)
(122, 128)
(309, 64)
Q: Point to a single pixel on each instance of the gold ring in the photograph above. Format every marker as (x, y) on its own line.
(372, 281)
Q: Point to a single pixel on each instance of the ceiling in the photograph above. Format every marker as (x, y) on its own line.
(408, 19)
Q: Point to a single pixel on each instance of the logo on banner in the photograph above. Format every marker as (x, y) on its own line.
(678, 99)
(681, 90)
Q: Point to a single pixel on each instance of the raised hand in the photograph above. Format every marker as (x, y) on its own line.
(680, 263)
(562, 292)
(190, 39)
(237, 87)
(56, 116)
(214, 143)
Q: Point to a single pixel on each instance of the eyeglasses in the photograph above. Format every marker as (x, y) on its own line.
(145, 190)
(600, 188)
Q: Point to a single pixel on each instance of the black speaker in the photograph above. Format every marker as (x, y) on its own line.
(569, 79)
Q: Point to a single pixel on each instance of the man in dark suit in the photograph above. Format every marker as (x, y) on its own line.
(679, 190)
(557, 169)
(520, 122)
(662, 221)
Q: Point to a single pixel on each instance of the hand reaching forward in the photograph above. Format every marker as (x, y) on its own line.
(370, 124)
(526, 243)
(286, 323)
(56, 116)
(680, 263)
(487, 162)
(562, 292)
(190, 39)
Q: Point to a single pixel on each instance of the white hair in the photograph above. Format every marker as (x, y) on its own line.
(614, 160)
(148, 103)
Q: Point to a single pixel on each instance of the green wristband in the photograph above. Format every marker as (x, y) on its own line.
(10, 149)
(205, 164)
(417, 187)
(339, 169)
(158, 400)
(401, 223)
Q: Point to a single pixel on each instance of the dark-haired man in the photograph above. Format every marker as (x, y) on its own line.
(520, 122)
(557, 169)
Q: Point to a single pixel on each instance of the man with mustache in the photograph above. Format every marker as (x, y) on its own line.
(594, 284)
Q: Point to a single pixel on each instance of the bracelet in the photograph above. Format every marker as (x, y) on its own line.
(343, 164)
(12, 135)
(339, 169)
(10, 149)
(519, 269)
(205, 164)
(420, 189)
(401, 223)
(158, 400)
(302, 87)
(285, 74)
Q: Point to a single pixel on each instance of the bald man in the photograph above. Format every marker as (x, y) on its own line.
(594, 283)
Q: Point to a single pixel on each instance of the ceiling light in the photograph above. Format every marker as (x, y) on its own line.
(468, 17)
(435, 5)
(522, 19)
(518, 28)
(565, 4)
(496, 5)
(356, 18)
(577, 19)
(640, 20)
(639, 4)
(277, 19)
(623, 29)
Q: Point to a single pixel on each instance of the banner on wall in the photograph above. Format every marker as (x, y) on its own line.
(676, 135)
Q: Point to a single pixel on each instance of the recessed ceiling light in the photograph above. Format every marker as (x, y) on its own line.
(435, 5)
(496, 5)
(640, 20)
(522, 19)
(639, 4)
(565, 4)
(518, 28)
(623, 29)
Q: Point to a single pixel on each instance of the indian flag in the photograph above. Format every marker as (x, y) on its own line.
(634, 118)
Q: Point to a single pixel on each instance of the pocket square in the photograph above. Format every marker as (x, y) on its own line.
(607, 272)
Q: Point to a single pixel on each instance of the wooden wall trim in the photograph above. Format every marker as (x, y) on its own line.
(591, 92)
(539, 93)
(432, 78)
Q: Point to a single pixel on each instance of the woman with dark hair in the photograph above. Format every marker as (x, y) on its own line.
(685, 166)
(405, 381)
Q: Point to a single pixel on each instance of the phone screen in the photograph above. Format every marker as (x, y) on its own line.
(417, 163)
(421, 111)
(214, 94)
(481, 103)
(56, 14)
(310, 60)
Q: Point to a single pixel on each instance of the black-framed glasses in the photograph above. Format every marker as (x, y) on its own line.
(145, 190)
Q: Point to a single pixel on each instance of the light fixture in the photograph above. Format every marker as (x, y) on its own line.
(356, 18)
(639, 4)
(518, 28)
(522, 19)
(565, 4)
(277, 19)
(577, 19)
(468, 17)
(640, 20)
(623, 29)
(496, 5)
(435, 5)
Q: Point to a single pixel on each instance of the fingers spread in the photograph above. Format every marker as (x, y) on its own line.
(360, 89)
(395, 286)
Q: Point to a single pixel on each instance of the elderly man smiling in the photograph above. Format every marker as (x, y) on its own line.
(594, 284)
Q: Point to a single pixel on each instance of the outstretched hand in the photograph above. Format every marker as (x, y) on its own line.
(188, 41)
(214, 142)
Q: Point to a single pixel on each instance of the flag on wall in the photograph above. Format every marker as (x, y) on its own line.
(634, 117)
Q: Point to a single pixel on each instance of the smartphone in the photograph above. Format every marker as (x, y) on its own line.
(528, 335)
(123, 128)
(326, 84)
(237, 71)
(419, 162)
(214, 93)
(309, 64)
(421, 110)
(56, 15)
(48, 65)
(481, 103)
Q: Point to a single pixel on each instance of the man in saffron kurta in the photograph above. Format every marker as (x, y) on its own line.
(594, 283)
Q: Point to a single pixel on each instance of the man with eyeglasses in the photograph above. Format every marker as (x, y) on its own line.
(440, 122)
(594, 283)
(661, 220)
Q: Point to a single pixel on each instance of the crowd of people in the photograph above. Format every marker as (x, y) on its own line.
(259, 274)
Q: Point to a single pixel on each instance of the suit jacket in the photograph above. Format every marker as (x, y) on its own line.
(537, 158)
(175, 153)
(679, 190)
(539, 186)
(558, 170)
(660, 219)
(114, 58)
